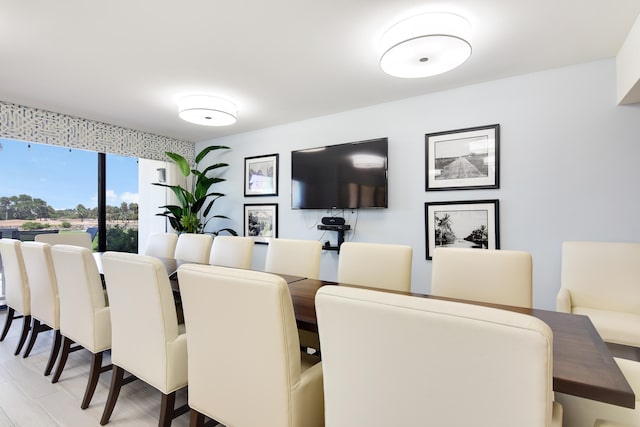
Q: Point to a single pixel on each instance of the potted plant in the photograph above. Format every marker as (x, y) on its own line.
(196, 200)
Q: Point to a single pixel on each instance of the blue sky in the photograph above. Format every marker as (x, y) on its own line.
(64, 178)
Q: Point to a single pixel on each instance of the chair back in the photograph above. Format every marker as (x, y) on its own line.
(14, 276)
(485, 275)
(84, 315)
(161, 245)
(193, 247)
(229, 314)
(75, 238)
(602, 275)
(294, 257)
(376, 265)
(144, 323)
(431, 362)
(232, 251)
(38, 264)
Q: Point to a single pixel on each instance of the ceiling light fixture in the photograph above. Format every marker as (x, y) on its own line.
(207, 110)
(425, 45)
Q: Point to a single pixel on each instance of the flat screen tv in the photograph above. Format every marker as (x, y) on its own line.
(344, 176)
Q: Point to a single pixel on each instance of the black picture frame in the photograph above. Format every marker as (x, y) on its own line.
(261, 221)
(463, 159)
(261, 175)
(459, 224)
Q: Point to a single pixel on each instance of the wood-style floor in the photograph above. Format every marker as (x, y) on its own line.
(28, 399)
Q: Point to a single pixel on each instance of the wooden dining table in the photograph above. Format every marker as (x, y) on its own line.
(582, 363)
(583, 366)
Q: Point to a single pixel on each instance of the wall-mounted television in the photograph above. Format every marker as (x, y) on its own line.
(343, 176)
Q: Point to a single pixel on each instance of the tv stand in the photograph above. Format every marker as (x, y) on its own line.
(340, 229)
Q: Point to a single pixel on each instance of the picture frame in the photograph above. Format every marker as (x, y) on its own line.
(261, 175)
(261, 222)
(468, 224)
(463, 159)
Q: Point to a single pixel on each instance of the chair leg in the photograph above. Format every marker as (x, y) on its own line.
(26, 326)
(55, 349)
(66, 349)
(196, 419)
(35, 330)
(7, 324)
(94, 375)
(117, 378)
(166, 409)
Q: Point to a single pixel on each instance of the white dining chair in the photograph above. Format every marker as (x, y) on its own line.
(294, 257)
(484, 275)
(397, 360)
(75, 238)
(146, 339)
(45, 304)
(376, 265)
(232, 251)
(17, 291)
(162, 245)
(193, 247)
(84, 313)
(229, 314)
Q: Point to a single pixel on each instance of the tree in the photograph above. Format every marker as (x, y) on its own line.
(195, 201)
(443, 226)
(5, 203)
(81, 211)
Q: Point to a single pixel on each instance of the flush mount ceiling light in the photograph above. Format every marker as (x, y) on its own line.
(425, 45)
(207, 110)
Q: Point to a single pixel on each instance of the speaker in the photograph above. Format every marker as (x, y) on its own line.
(332, 220)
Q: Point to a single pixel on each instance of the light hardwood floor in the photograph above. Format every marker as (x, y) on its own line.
(28, 399)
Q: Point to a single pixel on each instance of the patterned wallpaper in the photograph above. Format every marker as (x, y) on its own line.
(46, 127)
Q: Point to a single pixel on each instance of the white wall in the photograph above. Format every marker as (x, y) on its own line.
(151, 197)
(569, 167)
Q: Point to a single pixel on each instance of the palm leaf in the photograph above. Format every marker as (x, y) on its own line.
(201, 155)
(182, 163)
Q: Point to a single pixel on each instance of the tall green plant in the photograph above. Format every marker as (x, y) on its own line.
(196, 201)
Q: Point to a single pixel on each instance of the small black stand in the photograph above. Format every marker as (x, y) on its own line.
(340, 229)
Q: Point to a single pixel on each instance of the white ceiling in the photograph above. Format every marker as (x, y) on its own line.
(125, 61)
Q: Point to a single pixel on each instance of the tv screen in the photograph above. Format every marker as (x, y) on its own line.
(344, 176)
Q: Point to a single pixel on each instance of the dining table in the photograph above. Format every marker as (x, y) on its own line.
(583, 364)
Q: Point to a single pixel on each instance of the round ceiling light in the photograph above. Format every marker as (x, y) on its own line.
(207, 110)
(425, 45)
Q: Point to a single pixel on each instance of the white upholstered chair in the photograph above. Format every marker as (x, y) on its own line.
(17, 292)
(398, 360)
(485, 275)
(84, 313)
(602, 280)
(161, 245)
(580, 412)
(75, 238)
(294, 257)
(193, 247)
(232, 251)
(145, 340)
(297, 258)
(376, 265)
(45, 306)
(229, 313)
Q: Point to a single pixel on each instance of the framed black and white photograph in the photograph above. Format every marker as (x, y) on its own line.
(463, 159)
(261, 221)
(261, 175)
(463, 224)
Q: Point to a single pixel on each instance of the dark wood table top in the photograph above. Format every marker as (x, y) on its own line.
(582, 364)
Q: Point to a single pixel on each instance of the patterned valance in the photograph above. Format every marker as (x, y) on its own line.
(46, 127)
